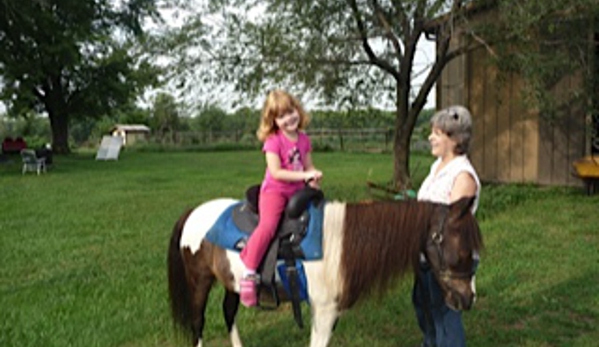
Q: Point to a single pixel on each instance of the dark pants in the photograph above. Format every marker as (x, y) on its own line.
(440, 325)
(44, 153)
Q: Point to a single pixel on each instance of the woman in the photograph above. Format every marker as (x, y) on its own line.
(451, 178)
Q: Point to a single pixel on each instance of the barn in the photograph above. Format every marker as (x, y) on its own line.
(131, 133)
(514, 142)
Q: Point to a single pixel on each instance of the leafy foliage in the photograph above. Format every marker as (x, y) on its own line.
(353, 119)
(544, 41)
(165, 117)
(347, 54)
(351, 54)
(75, 58)
(33, 129)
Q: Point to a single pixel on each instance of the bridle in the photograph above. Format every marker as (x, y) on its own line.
(444, 273)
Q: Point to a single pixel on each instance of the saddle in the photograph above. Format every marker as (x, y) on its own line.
(286, 245)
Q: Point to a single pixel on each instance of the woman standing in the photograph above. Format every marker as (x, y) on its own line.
(451, 177)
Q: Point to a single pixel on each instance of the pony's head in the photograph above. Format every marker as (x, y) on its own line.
(452, 247)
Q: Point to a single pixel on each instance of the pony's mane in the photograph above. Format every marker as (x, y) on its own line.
(381, 242)
(472, 235)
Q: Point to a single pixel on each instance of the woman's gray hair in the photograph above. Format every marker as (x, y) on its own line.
(456, 122)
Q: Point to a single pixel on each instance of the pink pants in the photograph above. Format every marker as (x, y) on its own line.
(271, 207)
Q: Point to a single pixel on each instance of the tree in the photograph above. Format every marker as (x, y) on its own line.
(548, 43)
(544, 41)
(165, 117)
(72, 58)
(356, 53)
(211, 118)
(349, 53)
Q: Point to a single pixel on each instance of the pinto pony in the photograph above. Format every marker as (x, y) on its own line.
(366, 246)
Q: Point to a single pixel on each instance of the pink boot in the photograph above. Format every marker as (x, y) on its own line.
(248, 292)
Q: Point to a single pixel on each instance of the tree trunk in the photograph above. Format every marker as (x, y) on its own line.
(59, 122)
(401, 161)
(58, 112)
(403, 132)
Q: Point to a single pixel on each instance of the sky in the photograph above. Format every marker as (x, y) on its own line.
(425, 57)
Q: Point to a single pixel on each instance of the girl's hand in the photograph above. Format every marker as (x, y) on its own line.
(314, 184)
(313, 178)
(312, 175)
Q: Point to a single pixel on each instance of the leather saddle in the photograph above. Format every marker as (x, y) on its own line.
(286, 244)
(292, 226)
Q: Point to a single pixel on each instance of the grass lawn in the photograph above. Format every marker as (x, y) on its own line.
(83, 256)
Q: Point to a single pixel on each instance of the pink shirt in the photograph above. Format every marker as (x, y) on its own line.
(292, 156)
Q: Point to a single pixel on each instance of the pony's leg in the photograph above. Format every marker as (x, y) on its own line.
(230, 306)
(324, 317)
(200, 299)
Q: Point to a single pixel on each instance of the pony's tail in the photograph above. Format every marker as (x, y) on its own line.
(179, 296)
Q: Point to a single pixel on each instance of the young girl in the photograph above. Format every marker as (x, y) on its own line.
(451, 178)
(288, 168)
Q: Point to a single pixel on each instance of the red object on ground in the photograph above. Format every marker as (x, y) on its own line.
(10, 146)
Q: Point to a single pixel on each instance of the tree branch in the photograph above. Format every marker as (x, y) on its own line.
(367, 48)
(442, 57)
(382, 17)
(233, 60)
(404, 18)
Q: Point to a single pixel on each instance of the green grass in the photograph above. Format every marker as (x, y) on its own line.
(83, 256)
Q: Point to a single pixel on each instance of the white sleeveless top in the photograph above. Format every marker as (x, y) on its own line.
(437, 188)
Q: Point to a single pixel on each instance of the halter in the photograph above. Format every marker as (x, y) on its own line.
(444, 273)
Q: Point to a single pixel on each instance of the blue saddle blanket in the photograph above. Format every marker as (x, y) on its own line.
(226, 234)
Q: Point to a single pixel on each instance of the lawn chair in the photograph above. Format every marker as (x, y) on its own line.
(31, 162)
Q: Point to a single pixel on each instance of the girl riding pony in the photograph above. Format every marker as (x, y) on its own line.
(288, 168)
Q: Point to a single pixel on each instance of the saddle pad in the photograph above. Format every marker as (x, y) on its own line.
(311, 245)
(226, 234)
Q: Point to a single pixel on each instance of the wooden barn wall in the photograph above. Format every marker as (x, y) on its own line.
(489, 119)
(505, 143)
(475, 103)
(451, 89)
(512, 141)
(563, 137)
(504, 119)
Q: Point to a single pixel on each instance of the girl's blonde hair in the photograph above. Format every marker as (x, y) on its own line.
(278, 103)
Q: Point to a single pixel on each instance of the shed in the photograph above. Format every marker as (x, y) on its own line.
(131, 133)
(512, 141)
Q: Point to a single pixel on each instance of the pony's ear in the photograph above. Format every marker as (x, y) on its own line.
(459, 208)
